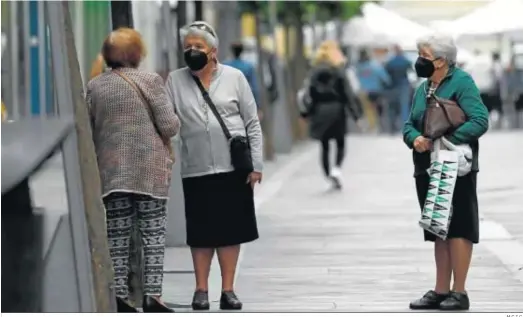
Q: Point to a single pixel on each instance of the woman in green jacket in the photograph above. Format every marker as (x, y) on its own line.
(437, 63)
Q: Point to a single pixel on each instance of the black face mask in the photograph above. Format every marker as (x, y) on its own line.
(195, 59)
(424, 67)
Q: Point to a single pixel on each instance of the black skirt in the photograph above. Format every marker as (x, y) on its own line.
(465, 216)
(219, 210)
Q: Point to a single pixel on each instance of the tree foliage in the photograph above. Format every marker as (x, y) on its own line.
(323, 10)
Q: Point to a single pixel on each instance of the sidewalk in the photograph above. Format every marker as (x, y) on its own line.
(361, 249)
(179, 272)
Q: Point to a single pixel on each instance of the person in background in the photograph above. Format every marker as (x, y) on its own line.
(481, 68)
(132, 123)
(374, 80)
(269, 72)
(4, 112)
(219, 200)
(437, 63)
(398, 68)
(496, 112)
(514, 89)
(331, 101)
(246, 68)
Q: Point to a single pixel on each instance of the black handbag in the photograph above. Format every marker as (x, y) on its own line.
(239, 145)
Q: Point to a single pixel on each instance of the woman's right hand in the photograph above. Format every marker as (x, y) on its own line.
(422, 144)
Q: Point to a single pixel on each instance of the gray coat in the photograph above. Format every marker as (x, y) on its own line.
(131, 154)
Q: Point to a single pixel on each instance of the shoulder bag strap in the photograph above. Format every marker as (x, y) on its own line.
(133, 84)
(211, 105)
(149, 110)
(140, 94)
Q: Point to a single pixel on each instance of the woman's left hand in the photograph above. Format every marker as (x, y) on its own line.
(253, 178)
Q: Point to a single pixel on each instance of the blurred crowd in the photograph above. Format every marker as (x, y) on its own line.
(384, 80)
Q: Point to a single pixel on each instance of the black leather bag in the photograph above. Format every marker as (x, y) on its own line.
(239, 145)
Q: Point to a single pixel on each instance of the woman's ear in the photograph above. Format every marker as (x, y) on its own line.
(439, 63)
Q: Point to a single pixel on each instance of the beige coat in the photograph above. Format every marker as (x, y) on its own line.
(131, 154)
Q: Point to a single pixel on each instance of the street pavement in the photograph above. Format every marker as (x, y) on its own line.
(361, 249)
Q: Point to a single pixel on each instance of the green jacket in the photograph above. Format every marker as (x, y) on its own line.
(460, 87)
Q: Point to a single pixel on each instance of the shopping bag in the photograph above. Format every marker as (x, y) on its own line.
(437, 210)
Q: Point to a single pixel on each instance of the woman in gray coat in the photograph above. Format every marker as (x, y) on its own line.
(132, 122)
(219, 203)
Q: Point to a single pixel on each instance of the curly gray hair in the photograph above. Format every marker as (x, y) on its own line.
(441, 45)
(201, 29)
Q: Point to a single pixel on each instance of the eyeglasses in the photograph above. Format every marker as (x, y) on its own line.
(203, 27)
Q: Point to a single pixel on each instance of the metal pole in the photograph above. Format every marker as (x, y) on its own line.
(42, 87)
(26, 61)
(122, 14)
(169, 36)
(14, 56)
(181, 21)
(34, 54)
(198, 10)
(280, 116)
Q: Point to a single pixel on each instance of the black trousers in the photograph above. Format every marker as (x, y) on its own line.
(492, 101)
(325, 151)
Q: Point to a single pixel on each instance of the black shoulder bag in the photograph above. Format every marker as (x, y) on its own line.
(239, 146)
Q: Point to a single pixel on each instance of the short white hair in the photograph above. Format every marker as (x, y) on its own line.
(441, 45)
(201, 29)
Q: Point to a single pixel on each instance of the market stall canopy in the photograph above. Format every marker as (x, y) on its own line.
(358, 32)
(396, 28)
(496, 17)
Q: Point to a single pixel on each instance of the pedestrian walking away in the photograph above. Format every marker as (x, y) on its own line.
(133, 122)
(398, 68)
(374, 81)
(328, 100)
(219, 201)
(437, 62)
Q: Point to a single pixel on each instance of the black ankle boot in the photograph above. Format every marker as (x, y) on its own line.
(431, 300)
(123, 306)
(200, 300)
(152, 305)
(229, 301)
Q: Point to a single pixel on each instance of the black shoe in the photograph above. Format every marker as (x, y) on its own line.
(431, 300)
(200, 300)
(152, 305)
(229, 301)
(455, 301)
(123, 306)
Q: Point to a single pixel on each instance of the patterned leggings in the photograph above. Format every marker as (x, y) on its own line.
(122, 210)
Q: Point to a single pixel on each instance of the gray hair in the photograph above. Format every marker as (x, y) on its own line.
(441, 45)
(201, 29)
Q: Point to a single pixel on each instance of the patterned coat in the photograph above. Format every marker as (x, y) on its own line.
(131, 154)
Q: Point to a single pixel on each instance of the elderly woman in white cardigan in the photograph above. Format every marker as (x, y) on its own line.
(219, 203)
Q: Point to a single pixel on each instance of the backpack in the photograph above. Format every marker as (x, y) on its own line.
(323, 85)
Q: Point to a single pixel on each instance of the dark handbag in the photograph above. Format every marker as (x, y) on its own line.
(239, 145)
(442, 116)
